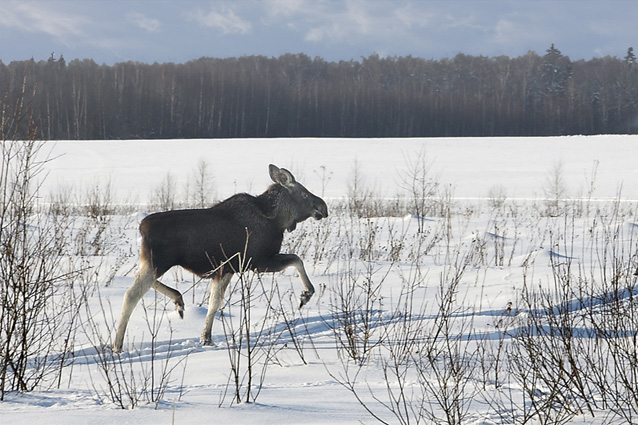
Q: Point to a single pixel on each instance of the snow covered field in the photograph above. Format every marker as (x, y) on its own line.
(471, 165)
(475, 280)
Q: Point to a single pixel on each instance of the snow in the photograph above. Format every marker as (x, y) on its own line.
(293, 391)
(472, 166)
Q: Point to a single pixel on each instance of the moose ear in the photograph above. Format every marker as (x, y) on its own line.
(281, 175)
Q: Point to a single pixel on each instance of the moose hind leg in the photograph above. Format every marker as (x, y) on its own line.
(173, 294)
(218, 285)
(143, 282)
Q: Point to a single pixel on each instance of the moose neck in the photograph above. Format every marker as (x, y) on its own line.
(276, 205)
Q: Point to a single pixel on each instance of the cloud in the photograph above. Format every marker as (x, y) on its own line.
(411, 17)
(223, 19)
(141, 21)
(285, 8)
(40, 17)
(323, 21)
(352, 21)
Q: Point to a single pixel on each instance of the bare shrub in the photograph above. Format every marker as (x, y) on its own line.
(422, 187)
(555, 190)
(573, 351)
(362, 201)
(429, 367)
(356, 311)
(31, 326)
(497, 195)
(251, 342)
(97, 209)
(359, 195)
(141, 375)
(164, 196)
(325, 177)
(200, 193)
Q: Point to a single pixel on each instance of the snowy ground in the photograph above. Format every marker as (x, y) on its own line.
(472, 166)
(483, 255)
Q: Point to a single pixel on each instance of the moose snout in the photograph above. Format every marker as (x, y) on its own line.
(321, 211)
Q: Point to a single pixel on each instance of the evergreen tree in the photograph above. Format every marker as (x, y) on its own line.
(630, 59)
(556, 70)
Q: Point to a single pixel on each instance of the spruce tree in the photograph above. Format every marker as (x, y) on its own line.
(630, 59)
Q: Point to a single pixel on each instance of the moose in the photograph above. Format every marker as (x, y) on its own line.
(244, 232)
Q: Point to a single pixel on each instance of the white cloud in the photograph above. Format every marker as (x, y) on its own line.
(329, 31)
(141, 21)
(351, 21)
(223, 19)
(505, 31)
(410, 16)
(321, 20)
(40, 17)
(285, 8)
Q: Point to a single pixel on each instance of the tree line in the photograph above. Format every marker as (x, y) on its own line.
(296, 96)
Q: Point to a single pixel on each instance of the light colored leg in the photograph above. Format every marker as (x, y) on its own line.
(218, 287)
(143, 282)
(171, 293)
(301, 271)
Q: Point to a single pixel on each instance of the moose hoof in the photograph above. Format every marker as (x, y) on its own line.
(305, 297)
(205, 341)
(180, 310)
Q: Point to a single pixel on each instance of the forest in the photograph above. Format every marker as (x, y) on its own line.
(297, 96)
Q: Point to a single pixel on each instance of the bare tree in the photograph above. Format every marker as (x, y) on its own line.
(31, 327)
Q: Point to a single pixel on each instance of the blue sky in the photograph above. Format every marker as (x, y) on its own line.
(110, 31)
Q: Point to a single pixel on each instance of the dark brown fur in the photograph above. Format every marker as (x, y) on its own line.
(242, 232)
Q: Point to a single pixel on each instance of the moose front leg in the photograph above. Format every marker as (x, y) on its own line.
(283, 261)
